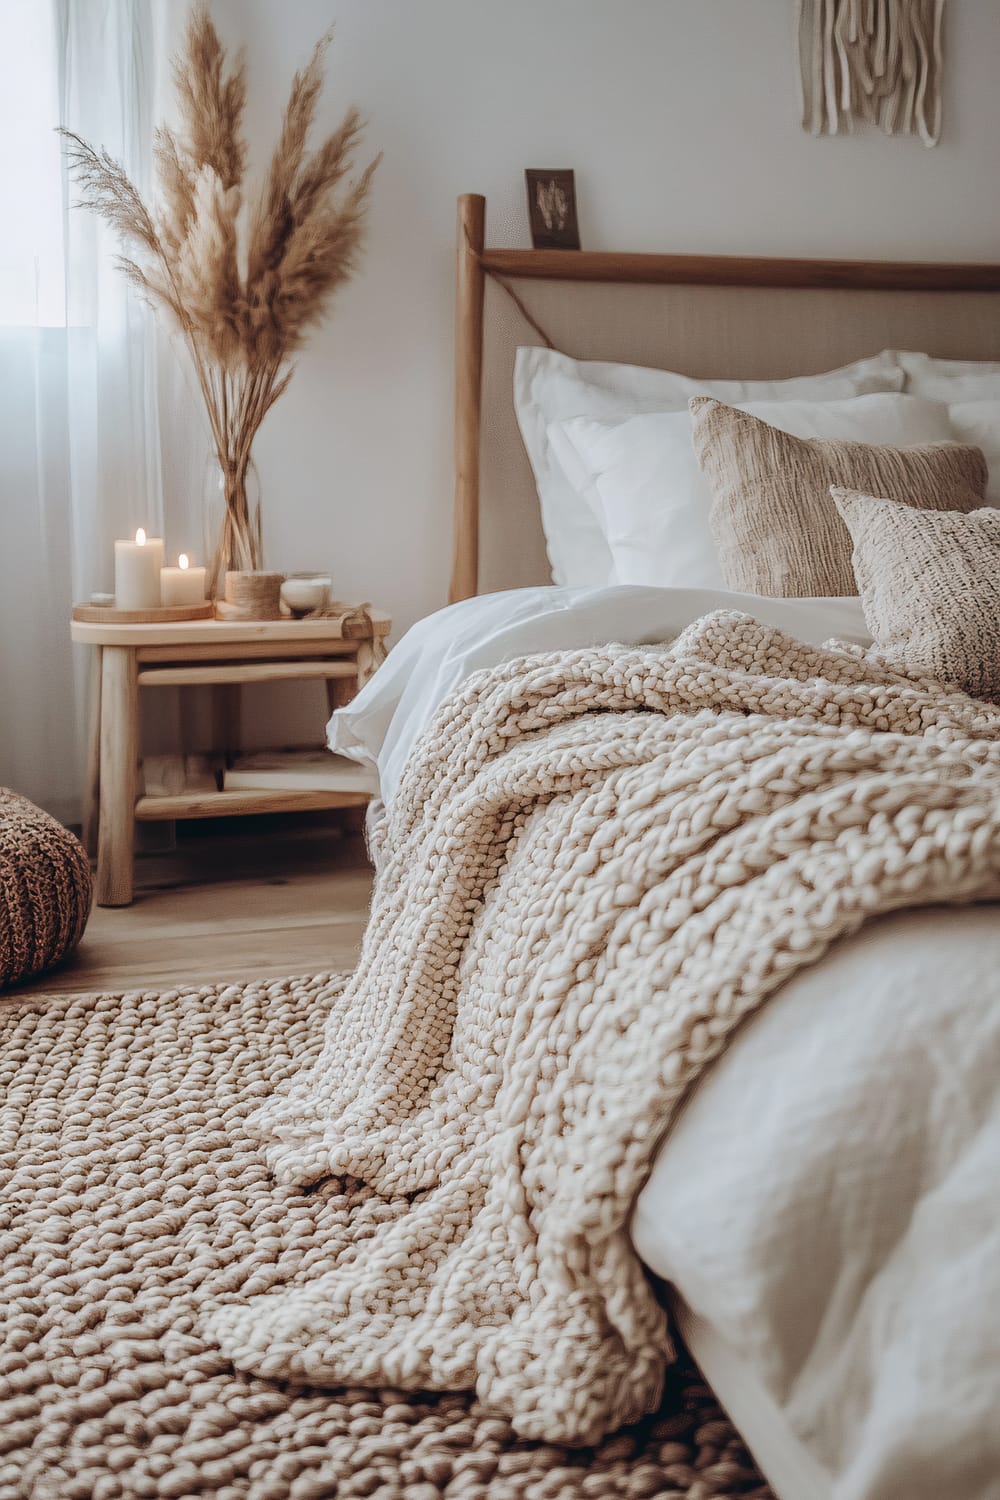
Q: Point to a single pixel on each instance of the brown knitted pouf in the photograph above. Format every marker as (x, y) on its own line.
(45, 889)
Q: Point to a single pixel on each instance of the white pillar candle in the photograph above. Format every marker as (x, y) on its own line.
(137, 572)
(183, 584)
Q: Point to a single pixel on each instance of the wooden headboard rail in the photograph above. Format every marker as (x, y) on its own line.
(476, 262)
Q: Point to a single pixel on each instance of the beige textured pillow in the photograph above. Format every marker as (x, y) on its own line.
(775, 526)
(930, 588)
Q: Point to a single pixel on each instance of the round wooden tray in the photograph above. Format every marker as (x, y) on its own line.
(167, 614)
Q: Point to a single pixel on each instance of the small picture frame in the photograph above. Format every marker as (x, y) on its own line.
(552, 209)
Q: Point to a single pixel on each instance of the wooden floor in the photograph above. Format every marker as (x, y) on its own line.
(225, 906)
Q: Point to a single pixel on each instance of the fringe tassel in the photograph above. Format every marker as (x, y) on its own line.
(874, 60)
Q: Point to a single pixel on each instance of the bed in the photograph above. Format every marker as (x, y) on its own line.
(817, 1211)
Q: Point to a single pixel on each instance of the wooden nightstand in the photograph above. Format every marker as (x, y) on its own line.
(127, 658)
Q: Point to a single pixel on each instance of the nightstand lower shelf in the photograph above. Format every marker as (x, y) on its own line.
(172, 806)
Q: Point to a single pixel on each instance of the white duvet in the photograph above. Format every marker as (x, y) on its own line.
(828, 1204)
(433, 658)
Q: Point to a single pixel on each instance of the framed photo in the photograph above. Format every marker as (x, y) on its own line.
(552, 209)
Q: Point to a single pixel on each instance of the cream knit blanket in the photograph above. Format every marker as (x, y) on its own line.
(599, 863)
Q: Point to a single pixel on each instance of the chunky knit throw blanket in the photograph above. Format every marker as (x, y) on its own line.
(598, 865)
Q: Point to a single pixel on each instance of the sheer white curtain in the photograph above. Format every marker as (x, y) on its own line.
(79, 442)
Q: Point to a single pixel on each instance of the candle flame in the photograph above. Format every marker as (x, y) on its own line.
(183, 560)
(140, 538)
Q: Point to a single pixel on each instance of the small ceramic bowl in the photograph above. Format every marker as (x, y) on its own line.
(303, 592)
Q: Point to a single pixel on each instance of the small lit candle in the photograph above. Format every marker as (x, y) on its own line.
(137, 572)
(183, 584)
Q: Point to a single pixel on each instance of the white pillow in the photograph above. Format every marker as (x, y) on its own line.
(949, 379)
(642, 476)
(549, 387)
(979, 422)
(971, 388)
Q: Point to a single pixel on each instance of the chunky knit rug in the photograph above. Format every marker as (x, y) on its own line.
(599, 863)
(133, 1199)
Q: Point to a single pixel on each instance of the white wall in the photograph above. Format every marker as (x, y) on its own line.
(680, 118)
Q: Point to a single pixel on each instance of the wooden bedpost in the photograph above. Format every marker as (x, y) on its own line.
(468, 391)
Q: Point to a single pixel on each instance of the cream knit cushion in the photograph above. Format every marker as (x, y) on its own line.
(930, 588)
(775, 525)
(597, 865)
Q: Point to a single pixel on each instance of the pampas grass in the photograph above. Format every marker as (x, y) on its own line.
(243, 282)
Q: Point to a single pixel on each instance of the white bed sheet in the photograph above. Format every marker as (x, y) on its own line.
(792, 1471)
(828, 1204)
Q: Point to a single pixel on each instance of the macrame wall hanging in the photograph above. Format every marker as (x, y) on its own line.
(874, 60)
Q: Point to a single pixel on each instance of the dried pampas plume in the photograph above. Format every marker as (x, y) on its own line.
(243, 283)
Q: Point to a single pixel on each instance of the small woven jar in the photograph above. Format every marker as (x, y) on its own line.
(252, 596)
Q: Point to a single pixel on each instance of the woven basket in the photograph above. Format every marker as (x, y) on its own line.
(45, 889)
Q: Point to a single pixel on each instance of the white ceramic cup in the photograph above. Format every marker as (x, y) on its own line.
(302, 592)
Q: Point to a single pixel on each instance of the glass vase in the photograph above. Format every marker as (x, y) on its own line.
(232, 516)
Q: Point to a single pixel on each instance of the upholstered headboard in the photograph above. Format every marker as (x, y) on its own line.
(711, 316)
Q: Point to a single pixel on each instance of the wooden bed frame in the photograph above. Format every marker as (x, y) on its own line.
(476, 262)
